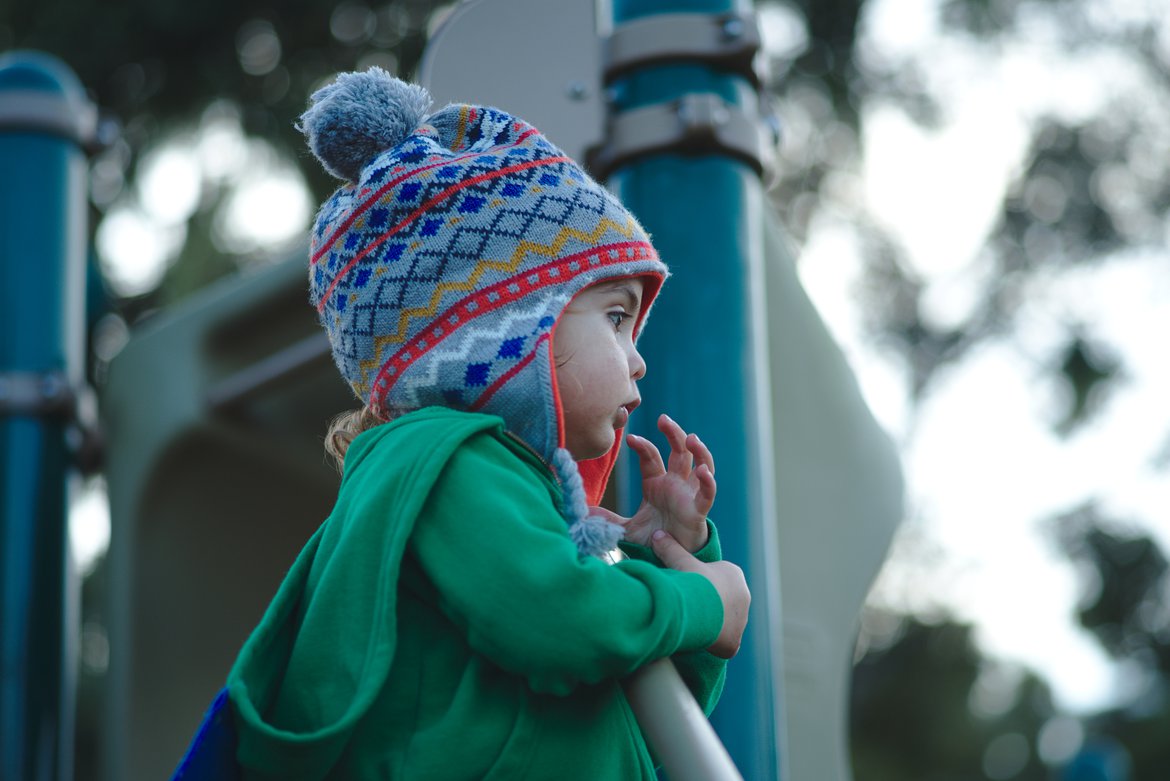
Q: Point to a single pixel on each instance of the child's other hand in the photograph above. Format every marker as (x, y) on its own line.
(676, 496)
(727, 579)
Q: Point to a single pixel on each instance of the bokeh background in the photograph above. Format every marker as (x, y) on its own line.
(978, 192)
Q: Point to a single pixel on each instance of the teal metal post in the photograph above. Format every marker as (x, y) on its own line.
(44, 119)
(706, 352)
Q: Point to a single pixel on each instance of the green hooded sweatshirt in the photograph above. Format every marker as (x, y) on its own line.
(441, 625)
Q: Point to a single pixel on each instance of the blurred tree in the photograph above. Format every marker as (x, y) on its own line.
(158, 66)
(1088, 187)
(927, 705)
(914, 717)
(1125, 603)
(1125, 607)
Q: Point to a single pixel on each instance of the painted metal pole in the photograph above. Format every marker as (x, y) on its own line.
(44, 120)
(675, 726)
(707, 353)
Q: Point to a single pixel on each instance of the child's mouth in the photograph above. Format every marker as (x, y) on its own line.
(623, 413)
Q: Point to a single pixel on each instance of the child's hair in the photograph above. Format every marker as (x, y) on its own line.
(344, 428)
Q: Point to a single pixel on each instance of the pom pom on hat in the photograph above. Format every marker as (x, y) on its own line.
(359, 116)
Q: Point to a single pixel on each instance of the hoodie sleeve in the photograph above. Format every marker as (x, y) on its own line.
(497, 551)
(703, 673)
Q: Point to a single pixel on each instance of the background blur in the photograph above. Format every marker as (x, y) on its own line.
(978, 192)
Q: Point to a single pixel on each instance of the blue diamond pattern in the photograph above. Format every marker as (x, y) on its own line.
(477, 374)
(409, 191)
(511, 348)
(471, 204)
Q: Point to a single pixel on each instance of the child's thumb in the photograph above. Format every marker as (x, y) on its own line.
(672, 554)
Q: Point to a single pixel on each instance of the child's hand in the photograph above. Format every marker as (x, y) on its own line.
(676, 497)
(727, 579)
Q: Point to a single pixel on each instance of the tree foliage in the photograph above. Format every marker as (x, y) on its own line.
(926, 704)
(912, 714)
(159, 68)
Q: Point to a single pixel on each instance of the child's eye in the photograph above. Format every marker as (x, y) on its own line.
(617, 318)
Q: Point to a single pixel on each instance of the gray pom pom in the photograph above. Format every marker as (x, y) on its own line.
(360, 115)
(595, 536)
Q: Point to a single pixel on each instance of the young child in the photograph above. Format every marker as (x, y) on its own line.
(454, 617)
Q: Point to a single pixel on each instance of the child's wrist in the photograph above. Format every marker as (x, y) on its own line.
(697, 539)
(709, 551)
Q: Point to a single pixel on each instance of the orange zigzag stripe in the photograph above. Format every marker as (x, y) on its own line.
(525, 247)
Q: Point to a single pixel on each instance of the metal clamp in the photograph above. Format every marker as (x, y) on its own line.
(48, 113)
(49, 395)
(728, 41)
(41, 394)
(697, 123)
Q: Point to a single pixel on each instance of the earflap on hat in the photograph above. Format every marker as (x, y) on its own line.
(584, 482)
(595, 472)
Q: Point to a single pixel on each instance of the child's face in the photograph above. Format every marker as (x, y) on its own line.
(597, 365)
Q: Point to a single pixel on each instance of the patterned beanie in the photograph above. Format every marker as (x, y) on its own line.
(441, 266)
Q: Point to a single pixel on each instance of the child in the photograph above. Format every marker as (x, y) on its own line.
(453, 618)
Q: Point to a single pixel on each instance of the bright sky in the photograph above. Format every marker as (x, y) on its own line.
(983, 468)
(266, 203)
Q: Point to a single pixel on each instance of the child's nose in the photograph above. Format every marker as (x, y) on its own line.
(637, 365)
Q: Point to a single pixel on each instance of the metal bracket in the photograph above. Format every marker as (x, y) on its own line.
(697, 123)
(41, 394)
(47, 113)
(728, 41)
(49, 395)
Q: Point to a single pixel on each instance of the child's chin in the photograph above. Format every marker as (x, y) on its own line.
(589, 455)
(589, 451)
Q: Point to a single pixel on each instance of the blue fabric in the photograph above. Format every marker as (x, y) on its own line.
(212, 755)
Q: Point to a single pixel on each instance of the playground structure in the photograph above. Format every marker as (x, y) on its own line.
(214, 412)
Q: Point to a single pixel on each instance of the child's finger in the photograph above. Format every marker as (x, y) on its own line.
(649, 459)
(700, 452)
(705, 496)
(673, 555)
(680, 458)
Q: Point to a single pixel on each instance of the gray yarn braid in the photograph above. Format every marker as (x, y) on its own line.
(593, 535)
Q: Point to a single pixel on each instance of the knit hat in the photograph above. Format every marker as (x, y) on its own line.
(441, 266)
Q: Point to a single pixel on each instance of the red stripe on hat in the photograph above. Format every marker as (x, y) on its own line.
(482, 302)
(360, 210)
(414, 215)
(486, 396)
